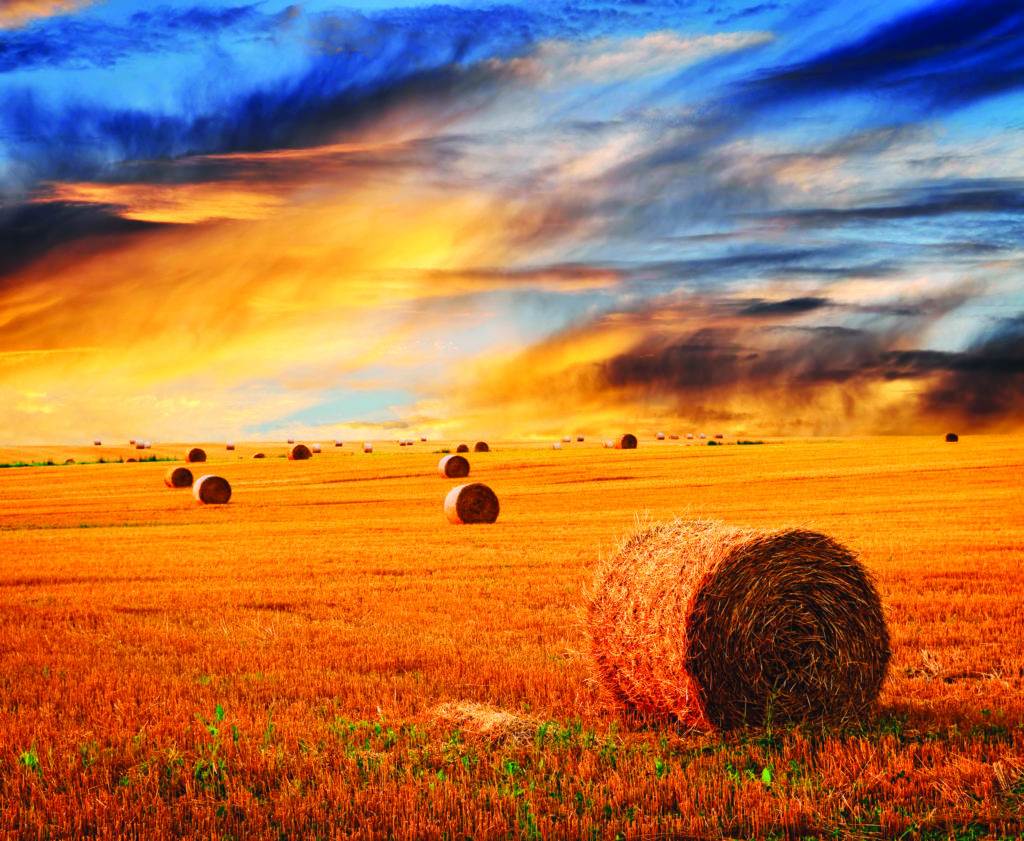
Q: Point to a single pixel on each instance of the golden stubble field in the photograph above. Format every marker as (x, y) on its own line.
(275, 667)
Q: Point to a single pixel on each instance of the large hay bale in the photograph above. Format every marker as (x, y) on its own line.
(69, 461)
(211, 490)
(453, 467)
(178, 477)
(462, 448)
(719, 626)
(481, 447)
(472, 503)
(300, 452)
(952, 437)
(195, 455)
(626, 442)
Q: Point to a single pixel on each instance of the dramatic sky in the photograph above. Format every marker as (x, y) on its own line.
(527, 219)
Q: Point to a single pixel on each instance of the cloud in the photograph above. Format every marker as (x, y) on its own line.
(15, 13)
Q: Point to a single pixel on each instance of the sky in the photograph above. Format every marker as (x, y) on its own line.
(322, 219)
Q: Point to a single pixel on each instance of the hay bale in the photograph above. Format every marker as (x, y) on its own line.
(97, 443)
(258, 455)
(423, 439)
(291, 440)
(579, 439)
(472, 503)
(453, 467)
(719, 436)
(660, 436)
(557, 445)
(720, 627)
(481, 447)
(315, 448)
(702, 435)
(338, 444)
(626, 442)
(367, 447)
(131, 461)
(674, 437)
(300, 452)
(567, 439)
(609, 444)
(462, 448)
(952, 437)
(229, 447)
(689, 436)
(211, 490)
(178, 477)
(131, 442)
(195, 455)
(141, 445)
(69, 461)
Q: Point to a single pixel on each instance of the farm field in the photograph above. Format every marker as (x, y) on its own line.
(305, 661)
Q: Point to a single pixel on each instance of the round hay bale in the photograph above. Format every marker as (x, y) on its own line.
(579, 439)
(69, 461)
(367, 447)
(952, 437)
(229, 446)
(702, 435)
(291, 440)
(721, 627)
(462, 448)
(453, 467)
(472, 503)
(557, 445)
(315, 448)
(689, 436)
(97, 443)
(141, 445)
(401, 443)
(131, 461)
(178, 477)
(609, 444)
(258, 455)
(195, 455)
(300, 452)
(719, 436)
(211, 490)
(660, 436)
(674, 437)
(626, 442)
(131, 442)
(338, 444)
(423, 439)
(481, 447)
(566, 439)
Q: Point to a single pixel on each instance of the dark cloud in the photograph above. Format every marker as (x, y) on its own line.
(789, 306)
(945, 55)
(29, 231)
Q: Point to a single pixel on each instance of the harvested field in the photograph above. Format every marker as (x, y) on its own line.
(264, 668)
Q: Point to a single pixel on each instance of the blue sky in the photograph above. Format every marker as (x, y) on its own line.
(795, 216)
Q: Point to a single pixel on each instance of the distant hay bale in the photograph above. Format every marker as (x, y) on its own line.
(481, 447)
(131, 461)
(338, 444)
(660, 436)
(258, 455)
(674, 437)
(566, 439)
(453, 467)
(626, 442)
(229, 446)
(315, 448)
(722, 627)
(131, 442)
(702, 435)
(97, 443)
(178, 477)
(291, 440)
(719, 435)
(471, 503)
(487, 723)
(367, 447)
(423, 439)
(300, 452)
(952, 437)
(579, 439)
(69, 461)
(557, 445)
(211, 490)
(689, 436)
(195, 455)
(609, 444)
(462, 448)
(141, 445)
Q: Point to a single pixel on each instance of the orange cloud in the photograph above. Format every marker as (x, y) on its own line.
(15, 13)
